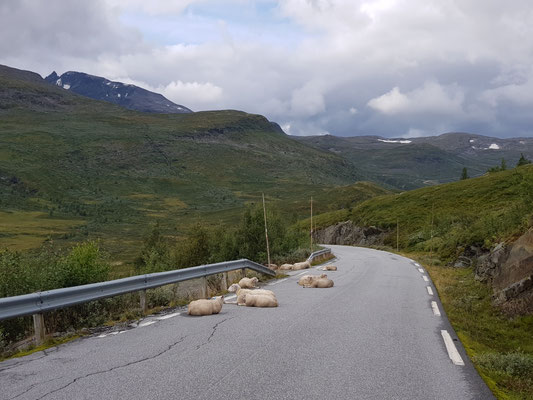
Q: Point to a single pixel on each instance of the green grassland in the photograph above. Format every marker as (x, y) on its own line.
(91, 170)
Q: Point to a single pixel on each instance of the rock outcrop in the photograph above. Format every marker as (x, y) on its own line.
(348, 233)
(508, 267)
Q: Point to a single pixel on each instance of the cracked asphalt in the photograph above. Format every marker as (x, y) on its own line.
(372, 336)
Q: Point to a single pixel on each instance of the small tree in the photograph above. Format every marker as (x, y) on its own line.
(523, 161)
(464, 174)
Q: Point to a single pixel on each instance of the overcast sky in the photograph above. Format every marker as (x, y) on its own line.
(395, 68)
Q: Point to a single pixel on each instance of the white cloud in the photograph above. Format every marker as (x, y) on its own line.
(429, 64)
(307, 100)
(430, 98)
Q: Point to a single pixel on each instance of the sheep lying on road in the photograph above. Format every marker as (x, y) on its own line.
(320, 283)
(206, 307)
(241, 293)
(260, 300)
(273, 267)
(285, 267)
(248, 283)
(329, 268)
(308, 279)
(301, 265)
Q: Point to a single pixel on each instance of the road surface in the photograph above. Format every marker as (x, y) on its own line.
(375, 335)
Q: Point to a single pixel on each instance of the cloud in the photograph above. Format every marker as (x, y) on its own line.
(430, 98)
(402, 65)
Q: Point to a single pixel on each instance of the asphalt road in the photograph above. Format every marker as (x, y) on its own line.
(374, 335)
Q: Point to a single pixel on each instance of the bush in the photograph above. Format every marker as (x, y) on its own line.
(515, 364)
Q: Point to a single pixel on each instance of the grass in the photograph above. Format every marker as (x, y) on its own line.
(501, 348)
(448, 218)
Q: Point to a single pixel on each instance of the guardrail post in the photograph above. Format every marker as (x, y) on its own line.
(38, 328)
(142, 295)
(224, 281)
(204, 288)
(243, 272)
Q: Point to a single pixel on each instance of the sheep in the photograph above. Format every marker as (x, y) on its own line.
(320, 283)
(329, 268)
(260, 300)
(241, 293)
(205, 307)
(308, 279)
(273, 267)
(301, 265)
(248, 283)
(286, 267)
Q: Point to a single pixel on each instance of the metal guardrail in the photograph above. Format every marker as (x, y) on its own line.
(37, 303)
(318, 253)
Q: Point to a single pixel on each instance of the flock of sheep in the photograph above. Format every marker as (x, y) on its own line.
(249, 296)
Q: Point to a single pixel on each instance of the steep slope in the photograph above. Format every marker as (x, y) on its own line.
(412, 163)
(129, 96)
(79, 162)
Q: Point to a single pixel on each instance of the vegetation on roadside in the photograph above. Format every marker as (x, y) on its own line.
(500, 347)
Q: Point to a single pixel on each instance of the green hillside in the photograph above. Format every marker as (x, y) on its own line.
(478, 211)
(74, 168)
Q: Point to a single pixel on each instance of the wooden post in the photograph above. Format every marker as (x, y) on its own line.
(243, 272)
(311, 224)
(266, 231)
(397, 234)
(204, 288)
(431, 234)
(224, 281)
(38, 328)
(142, 296)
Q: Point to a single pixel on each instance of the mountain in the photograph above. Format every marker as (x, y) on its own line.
(412, 163)
(75, 168)
(129, 96)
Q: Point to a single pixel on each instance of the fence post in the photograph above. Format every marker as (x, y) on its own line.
(244, 272)
(142, 295)
(38, 328)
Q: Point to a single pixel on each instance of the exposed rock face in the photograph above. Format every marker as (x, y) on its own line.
(509, 268)
(350, 234)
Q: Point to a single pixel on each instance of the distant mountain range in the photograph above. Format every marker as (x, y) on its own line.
(412, 163)
(125, 95)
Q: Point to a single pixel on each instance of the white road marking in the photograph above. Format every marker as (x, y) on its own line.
(275, 283)
(417, 264)
(147, 324)
(168, 316)
(435, 308)
(452, 350)
(102, 335)
(301, 273)
(430, 291)
(425, 278)
(420, 270)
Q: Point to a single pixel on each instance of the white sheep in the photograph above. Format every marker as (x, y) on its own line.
(320, 283)
(329, 268)
(308, 279)
(248, 283)
(301, 265)
(260, 300)
(285, 267)
(241, 293)
(273, 267)
(205, 307)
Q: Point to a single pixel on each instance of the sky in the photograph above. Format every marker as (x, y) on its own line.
(394, 68)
